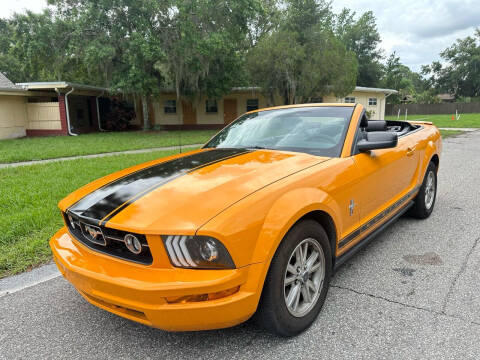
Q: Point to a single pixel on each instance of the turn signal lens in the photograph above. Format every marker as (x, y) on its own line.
(197, 252)
(202, 297)
(72, 223)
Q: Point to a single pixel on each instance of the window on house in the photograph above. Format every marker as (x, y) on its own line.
(211, 106)
(372, 101)
(252, 104)
(350, 99)
(170, 107)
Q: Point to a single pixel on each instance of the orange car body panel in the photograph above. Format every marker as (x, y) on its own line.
(248, 202)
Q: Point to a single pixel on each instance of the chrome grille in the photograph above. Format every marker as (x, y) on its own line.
(108, 241)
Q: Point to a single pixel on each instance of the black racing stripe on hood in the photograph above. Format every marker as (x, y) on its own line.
(104, 203)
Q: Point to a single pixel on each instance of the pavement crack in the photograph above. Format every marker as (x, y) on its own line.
(462, 270)
(383, 298)
(433, 312)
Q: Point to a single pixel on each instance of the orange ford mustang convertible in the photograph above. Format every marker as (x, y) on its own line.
(256, 221)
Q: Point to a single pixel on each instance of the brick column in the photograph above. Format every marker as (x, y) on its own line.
(63, 114)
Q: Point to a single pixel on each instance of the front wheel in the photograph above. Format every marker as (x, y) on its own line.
(297, 281)
(425, 199)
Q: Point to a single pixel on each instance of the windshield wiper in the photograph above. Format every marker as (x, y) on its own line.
(256, 147)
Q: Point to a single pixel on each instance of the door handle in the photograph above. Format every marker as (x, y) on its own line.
(410, 151)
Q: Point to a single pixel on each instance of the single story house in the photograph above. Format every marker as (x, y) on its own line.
(64, 108)
(169, 113)
(446, 98)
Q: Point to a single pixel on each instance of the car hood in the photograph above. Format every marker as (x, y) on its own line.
(180, 194)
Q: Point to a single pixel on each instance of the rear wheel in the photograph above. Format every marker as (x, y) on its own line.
(297, 281)
(425, 199)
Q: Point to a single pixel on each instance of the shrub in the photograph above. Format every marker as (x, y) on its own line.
(118, 116)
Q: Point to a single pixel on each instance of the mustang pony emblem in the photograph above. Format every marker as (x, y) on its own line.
(95, 234)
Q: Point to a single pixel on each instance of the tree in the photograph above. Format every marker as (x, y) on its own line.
(117, 43)
(460, 75)
(408, 83)
(301, 60)
(34, 48)
(205, 42)
(361, 36)
(9, 64)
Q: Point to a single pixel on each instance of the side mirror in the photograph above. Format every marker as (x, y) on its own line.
(378, 140)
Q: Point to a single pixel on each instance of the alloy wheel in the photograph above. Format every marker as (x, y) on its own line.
(304, 277)
(430, 190)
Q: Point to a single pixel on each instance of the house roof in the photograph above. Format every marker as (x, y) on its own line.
(357, 88)
(52, 85)
(257, 88)
(9, 88)
(446, 96)
(372, 89)
(5, 83)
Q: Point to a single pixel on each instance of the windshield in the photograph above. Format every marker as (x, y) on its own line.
(317, 130)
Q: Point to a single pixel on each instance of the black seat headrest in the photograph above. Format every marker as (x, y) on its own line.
(377, 125)
(363, 122)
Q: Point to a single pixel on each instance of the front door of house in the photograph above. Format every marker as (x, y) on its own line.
(189, 113)
(229, 110)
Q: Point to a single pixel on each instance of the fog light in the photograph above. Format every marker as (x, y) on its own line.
(133, 244)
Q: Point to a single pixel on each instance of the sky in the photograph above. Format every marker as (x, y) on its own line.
(417, 30)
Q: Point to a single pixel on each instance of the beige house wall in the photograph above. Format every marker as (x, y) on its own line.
(242, 100)
(13, 116)
(167, 119)
(43, 116)
(361, 97)
(204, 118)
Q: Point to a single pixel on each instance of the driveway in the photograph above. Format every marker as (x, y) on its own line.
(412, 293)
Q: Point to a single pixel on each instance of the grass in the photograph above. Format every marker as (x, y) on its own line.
(15, 150)
(28, 204)
(445, 120)
(448, 133)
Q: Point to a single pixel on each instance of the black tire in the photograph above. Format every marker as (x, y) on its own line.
(422, 208)
(273, 313)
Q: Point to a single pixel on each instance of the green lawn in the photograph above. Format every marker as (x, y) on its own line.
(39, 148)
(445, 120)
(28, 204)
(448, 133)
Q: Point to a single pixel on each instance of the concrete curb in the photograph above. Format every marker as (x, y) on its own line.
(460, 129)
(12, 284)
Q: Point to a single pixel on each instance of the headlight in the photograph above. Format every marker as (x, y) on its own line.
(200, 252)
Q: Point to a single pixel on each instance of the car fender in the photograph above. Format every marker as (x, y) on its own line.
(430, 150)
(285, 212)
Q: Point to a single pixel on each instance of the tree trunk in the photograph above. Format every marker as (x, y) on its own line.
(146, 125)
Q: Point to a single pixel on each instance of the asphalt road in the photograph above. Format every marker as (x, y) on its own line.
(412, 293)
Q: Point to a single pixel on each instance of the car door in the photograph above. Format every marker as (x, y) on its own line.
(385, 176)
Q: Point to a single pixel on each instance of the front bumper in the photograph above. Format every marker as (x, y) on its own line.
(139, 292)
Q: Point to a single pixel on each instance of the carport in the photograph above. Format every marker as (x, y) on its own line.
(62, 108)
